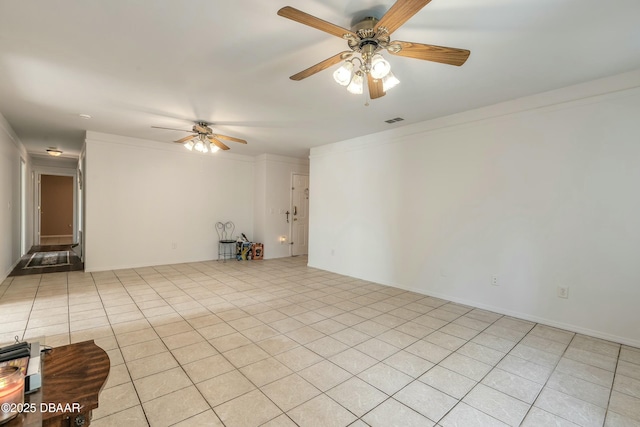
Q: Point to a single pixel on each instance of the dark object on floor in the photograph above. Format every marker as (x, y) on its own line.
(75, 263)
(243, 251)
(257, 251)
(48, 259)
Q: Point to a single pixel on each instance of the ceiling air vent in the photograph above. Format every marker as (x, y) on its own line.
(397, 119)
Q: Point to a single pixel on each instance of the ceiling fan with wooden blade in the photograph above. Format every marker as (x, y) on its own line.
(368, 38)
(204, 138)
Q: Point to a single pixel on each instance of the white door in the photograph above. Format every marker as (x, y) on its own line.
(300, 215)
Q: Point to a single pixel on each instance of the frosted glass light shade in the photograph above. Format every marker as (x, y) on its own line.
(342, 75)
(356, 85)
(380, 67)
(389, 81)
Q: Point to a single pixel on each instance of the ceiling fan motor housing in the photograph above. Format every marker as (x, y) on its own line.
(365, 24)
(202, 128)
(368, 40)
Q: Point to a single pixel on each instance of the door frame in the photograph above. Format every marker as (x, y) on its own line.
(24, 185)
(38, 172)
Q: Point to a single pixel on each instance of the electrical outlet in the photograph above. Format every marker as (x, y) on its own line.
(494, 280)
(563, 292)
(174, 245)
(333, 252)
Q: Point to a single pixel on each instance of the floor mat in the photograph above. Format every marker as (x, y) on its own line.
(48, 259)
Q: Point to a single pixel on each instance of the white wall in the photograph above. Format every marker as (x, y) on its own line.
(542, 191)
(11, 151)
(274, 182)
(144, 196)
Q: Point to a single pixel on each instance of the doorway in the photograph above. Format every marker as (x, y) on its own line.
(56, 209)
(300, 211)
(23, 207)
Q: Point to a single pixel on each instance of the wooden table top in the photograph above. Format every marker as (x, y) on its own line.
(72, 377)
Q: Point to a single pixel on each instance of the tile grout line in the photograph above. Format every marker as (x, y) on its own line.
(297, 284)
(438, 364)
(615, 373)
(552, 372)
(100, 296)
(193, 384)
(26, 326)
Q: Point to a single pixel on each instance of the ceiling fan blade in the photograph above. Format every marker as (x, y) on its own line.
(312, 21)
(181, 130)
(229, 138)
(375, 87)
(219, 144)
(322, 65)
(428, 52)
(185, 139)
(400, 13)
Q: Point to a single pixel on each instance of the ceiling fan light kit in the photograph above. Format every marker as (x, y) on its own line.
(203, 139)
(377, 67)
(368, 38)
(202, 145)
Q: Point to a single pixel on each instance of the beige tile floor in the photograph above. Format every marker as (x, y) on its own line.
(276, 343)
(56, 240)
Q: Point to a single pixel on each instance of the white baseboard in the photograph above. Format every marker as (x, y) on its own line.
(524, 316)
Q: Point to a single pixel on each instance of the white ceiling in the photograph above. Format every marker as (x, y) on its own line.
(136, 64)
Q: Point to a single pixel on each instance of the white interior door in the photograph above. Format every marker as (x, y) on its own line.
(300, 215)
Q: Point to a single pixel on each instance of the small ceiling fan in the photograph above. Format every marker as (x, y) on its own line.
(367, 38)
(203, 137)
